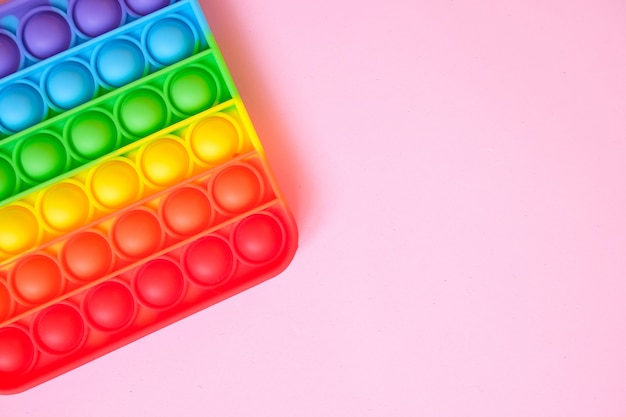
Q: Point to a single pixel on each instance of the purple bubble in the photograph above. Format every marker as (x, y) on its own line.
(144, 7)
(94, 18)
(46, 33)
(10, 53)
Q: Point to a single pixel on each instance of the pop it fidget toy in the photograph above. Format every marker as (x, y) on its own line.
(133, 188)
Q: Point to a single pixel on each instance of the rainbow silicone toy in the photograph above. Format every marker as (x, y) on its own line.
(133, 188)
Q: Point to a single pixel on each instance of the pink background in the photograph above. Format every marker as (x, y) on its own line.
(457, 169)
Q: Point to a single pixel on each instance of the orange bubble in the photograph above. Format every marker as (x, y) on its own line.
(237, 189)
(87, 256)
(5, 302)
(137, 234)
(186, 211)
(37, 278)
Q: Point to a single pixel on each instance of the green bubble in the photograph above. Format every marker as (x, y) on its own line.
(7, 179)
(192, 91)
(143, 112)
(42, 157)
(92, 135)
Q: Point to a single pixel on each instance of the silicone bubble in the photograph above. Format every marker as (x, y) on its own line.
(186, 211)
(10, 53)
(65, 206)
(60, 329)
(214, 140)
(192, 90)
(144, 7)
(5, 302)
(21, 106)
(115, 184)
(69, 84)
(119, 62)
(109, 306)
(159, 283)
(143, 112)
(92, 134)
(94, 18)
(45, 33)
(237, 189)
(170, 40)
(41, 157)
(17, 352)
(209, 261)
(87, 256)
(137, 234)
(164, 162)
(19, 229)
(37, 278)
(8, 178)
(258, 238)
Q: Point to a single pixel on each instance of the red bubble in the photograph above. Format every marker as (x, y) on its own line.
(237, 189)
(87, 256)
(17, 352)
(110, 306)
(159, 283)
(258, 238)
(59, 329)
(186, 211)
(137, 234)
(209, 261)
(37, 278)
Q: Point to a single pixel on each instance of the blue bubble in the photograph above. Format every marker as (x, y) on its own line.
(170, 40)
(70, 84)
(120, 62)
(21, 106)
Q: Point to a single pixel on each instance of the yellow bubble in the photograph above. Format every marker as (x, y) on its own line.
(115, 184)
(65, 206)
(19, 229)
(165, 162)
(214, 140)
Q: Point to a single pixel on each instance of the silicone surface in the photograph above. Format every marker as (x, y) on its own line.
(133, 188)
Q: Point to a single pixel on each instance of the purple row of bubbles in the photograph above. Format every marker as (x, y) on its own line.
(45, 30)
(94, 18)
